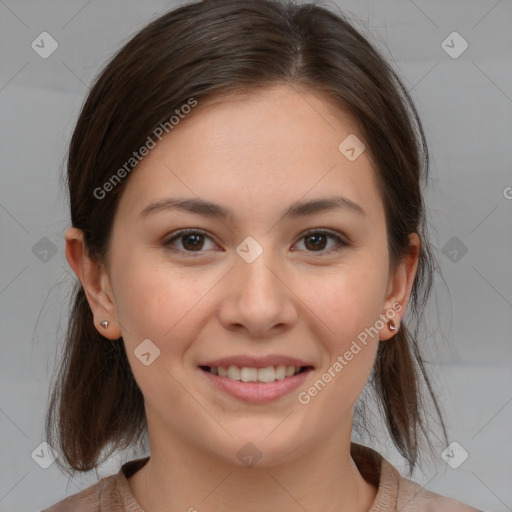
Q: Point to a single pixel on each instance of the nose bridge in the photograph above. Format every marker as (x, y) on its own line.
(254, 264)
(258, 298)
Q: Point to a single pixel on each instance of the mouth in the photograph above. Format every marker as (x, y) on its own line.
(255, 385)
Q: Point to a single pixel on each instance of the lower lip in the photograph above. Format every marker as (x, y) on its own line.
(256, 392)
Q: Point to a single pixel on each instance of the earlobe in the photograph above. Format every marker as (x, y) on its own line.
(95, 283)
(400, 287)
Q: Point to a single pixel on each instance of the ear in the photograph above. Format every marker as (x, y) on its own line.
(95, 282)
(400, 286)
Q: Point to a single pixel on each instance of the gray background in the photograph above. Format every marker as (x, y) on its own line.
(466, 106)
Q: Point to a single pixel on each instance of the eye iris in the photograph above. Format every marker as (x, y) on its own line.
(316, 237)
(198, 241)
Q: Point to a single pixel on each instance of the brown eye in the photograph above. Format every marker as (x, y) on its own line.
(188, 241)
(192, 242)
(316, 241)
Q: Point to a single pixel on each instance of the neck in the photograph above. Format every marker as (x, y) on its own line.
(180, 477)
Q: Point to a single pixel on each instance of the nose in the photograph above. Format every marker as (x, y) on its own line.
(259, 298)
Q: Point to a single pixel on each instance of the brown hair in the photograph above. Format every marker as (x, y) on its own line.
(208, 49)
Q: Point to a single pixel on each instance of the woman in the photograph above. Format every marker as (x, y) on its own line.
(248, 230)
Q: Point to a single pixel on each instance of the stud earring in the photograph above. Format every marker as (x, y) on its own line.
(104, 324)
(392, 325)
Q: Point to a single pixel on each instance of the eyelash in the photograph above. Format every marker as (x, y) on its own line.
(342, 244)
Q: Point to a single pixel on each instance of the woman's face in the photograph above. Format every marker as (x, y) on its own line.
(253, 284)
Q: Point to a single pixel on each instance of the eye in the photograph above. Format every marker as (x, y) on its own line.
(315, 241)
(193, 240)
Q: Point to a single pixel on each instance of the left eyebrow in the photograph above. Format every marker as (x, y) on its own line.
(294, 211)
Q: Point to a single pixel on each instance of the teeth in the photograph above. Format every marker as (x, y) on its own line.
(234, 373)
(290, 370)
(267, 374)
(280, 371)
(248, 374)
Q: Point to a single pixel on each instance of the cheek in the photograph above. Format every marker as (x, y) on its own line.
(347, 299)
(348, 303)
(147, 298)
(162, 306)
(161, 302)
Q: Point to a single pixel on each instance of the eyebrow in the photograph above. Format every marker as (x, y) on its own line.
(294, 211)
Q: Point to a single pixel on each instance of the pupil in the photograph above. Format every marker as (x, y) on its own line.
(316, 237)
(195, 244)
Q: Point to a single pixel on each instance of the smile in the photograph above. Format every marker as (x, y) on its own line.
(255, 385)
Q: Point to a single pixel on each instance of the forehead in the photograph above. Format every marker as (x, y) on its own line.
(255, 153)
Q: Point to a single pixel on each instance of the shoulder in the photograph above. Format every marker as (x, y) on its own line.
(397, 493)
(102, 496)
(413, 497)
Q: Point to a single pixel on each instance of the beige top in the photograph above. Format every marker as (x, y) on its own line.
(395, 493)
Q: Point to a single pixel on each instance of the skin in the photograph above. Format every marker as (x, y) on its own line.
(255, 155)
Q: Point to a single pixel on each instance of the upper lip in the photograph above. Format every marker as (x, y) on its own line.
(255, 361)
